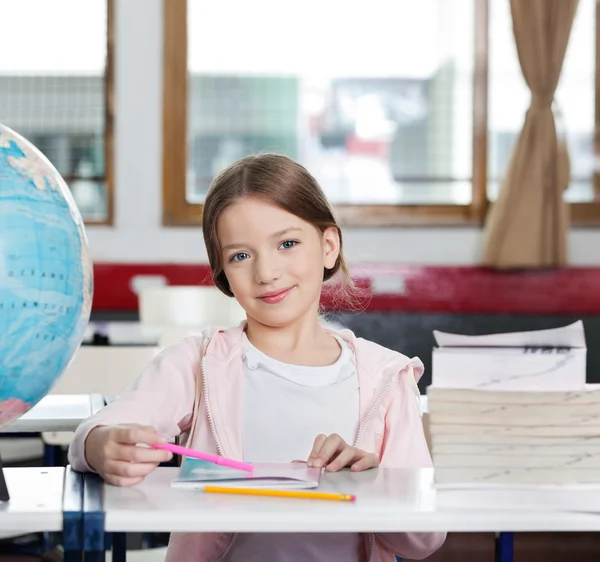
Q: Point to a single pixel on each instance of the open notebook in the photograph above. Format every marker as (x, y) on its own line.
(195, 473)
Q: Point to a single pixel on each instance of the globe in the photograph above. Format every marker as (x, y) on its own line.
(46, 276)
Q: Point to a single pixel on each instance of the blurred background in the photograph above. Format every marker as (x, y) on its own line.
(408, 114)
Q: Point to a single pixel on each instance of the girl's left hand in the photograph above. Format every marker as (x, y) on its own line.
(334, 454)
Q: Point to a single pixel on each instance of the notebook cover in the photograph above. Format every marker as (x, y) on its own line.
(197, 473)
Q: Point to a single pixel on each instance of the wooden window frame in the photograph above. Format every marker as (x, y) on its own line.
(177, 211)
(109, 116)
(588, 214)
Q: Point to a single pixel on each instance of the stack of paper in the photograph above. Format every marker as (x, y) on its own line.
(540, 360)
(501, 419)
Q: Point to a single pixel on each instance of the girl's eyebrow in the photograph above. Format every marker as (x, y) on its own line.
(286, 231)
(274, 235)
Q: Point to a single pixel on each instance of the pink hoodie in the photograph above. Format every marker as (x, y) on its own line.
(163, 397)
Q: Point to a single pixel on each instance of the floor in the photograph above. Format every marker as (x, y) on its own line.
(529, 547)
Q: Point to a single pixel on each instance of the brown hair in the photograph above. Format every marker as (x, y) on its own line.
(280, 181)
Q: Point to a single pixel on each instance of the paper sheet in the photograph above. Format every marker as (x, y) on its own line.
(571, 336)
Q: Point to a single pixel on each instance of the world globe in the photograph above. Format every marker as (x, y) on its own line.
(46, 276)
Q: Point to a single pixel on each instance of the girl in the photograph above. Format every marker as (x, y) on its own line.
(278, 388)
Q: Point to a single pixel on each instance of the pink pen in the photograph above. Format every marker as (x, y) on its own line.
(223, 461)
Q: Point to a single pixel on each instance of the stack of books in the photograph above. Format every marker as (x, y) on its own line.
(514, 408)
(508, 437)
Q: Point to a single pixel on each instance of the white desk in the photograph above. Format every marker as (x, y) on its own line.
(36, 500)
(56, 412)
(47, 500)
(388, 500)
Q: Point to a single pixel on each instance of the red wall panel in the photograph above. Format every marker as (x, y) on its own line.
(419, 288)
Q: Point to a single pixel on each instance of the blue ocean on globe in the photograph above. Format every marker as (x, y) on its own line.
(46, 276)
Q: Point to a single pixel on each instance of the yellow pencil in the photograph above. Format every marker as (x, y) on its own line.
(280, 493)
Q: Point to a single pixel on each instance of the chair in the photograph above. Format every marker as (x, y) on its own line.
(192, 307)
(18, 448)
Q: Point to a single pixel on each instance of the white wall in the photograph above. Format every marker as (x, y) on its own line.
(138, 236)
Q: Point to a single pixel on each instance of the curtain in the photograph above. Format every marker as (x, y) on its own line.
(527, 226)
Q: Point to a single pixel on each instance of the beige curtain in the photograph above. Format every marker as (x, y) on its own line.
(527, 225)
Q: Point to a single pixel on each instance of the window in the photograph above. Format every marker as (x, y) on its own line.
(387, 107)
(574, 100)
(378, 105)
(56, 90)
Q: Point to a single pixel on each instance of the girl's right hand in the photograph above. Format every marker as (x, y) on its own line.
(113, 453)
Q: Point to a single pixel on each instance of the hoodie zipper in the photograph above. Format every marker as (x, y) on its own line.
(228, 548)
(207, 407)
(359, 435)
(374, 408)
(219, 447)
(371, 546)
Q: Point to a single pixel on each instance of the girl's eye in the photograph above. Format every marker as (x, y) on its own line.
(240, 256)
(288, 244)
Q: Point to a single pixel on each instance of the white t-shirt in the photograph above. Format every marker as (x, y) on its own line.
(285, 407)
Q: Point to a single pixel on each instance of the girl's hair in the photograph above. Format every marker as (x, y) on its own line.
(280, 181)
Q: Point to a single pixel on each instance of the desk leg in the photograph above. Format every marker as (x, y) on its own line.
(72, 516)
(52, 455)
(504, 547)
(4, 495)
(93, 519)
(119, 547)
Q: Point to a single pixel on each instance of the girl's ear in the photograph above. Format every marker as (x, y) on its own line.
(331, 247)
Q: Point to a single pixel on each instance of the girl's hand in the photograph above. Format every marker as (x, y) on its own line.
(113, 452)
(334, 454)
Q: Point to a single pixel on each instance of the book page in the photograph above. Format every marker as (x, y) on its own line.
(569, 336)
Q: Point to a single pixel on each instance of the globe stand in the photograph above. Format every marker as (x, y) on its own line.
(4, 496)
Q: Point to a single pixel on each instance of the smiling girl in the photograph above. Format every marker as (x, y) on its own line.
(281, 386)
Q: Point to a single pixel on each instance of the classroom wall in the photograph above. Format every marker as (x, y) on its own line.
(138, 235)
(400, 316)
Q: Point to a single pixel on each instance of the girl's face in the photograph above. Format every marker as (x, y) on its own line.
(274, 261)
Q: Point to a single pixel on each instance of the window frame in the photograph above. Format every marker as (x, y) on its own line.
(177, 211)
(109, 116)
(588, 214)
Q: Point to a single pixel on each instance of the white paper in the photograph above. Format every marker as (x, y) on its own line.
(571, 336)
(509, 369)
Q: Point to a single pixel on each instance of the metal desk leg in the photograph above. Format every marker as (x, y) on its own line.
(504, 547)
(52, 455)
(73, 516)
(93, 519)
(119, 547)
